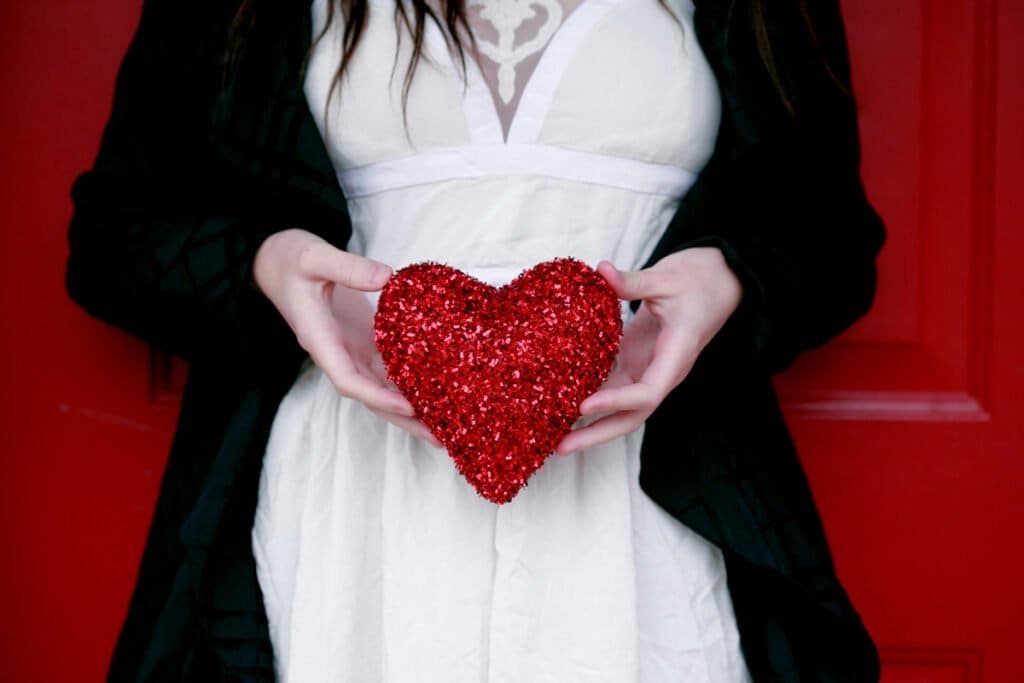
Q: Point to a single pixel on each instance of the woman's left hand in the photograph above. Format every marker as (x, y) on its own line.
(686, 298)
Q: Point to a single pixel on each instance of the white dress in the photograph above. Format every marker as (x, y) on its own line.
(378, 562)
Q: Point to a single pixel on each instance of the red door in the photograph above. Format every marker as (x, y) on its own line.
(908, 424)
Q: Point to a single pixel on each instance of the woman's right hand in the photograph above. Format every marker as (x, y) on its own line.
(318, 289)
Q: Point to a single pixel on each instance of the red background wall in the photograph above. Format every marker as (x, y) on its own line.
(908, 424)
(83, 444)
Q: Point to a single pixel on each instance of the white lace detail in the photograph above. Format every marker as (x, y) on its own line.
(506, 16)
(516, 116)
(512, 36)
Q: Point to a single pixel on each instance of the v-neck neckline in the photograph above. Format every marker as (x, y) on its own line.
(482, 119)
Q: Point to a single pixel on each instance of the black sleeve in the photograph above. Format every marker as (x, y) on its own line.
(782, 197)
(163, 234)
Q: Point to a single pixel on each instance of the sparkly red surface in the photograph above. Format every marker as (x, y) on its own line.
(498, 374)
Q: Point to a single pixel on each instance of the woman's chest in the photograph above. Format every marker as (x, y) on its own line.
(622, 78)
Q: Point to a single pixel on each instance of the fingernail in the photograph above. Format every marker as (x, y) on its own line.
(381, 273)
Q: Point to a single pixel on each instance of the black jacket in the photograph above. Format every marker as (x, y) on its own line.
(190, 177)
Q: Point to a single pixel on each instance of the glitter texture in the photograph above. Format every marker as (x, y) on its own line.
(498, 374)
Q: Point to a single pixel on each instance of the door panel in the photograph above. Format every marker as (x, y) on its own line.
(924, 81)
(908, 423)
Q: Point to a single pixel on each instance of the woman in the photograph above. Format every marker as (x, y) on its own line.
(212, 225)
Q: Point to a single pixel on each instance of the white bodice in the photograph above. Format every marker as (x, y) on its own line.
(599, 150)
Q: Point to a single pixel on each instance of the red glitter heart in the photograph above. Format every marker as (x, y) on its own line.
(498, 374)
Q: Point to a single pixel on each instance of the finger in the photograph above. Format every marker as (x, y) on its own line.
(617, 377)
(674, 353)
(324, 261)
(376, 368)
(605, 429)
(374, 396)
(348, 381)
(412, 425)
(332, 357)
(406, 421)
(635, 396)
(627, 284)
(381, 378)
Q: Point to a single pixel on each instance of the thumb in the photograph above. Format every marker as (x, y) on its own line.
(628, 284)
